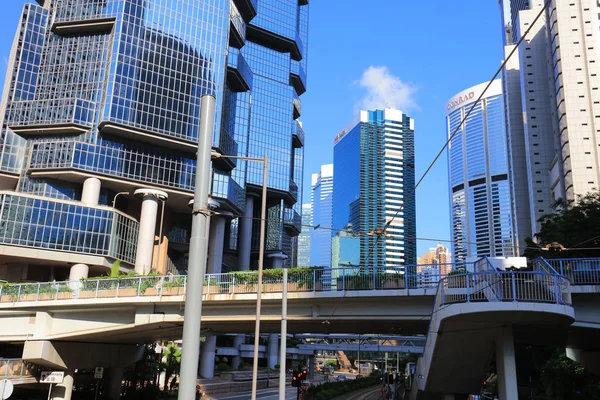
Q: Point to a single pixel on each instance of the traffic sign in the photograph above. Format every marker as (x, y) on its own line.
(6, 389)
(98, 372)
(52, 377)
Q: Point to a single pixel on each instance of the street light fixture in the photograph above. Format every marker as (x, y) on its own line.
(261, 258)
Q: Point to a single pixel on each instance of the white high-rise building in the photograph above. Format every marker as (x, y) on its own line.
(554, 118)
(322, 216)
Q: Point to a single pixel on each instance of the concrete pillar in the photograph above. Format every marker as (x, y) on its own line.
(90, 195)
(64, 391)
(277, 260)
(506, 364)
(245, 235)
(114, 381)
(207, 357)
(146, 237)
(237, 342)
(215, 242)
(77, 272)
(273, 350)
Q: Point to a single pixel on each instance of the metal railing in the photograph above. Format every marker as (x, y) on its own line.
(536, 287)
(489, 278)
(309, 280)
(468, 287)
(13, 368)
(580, 271)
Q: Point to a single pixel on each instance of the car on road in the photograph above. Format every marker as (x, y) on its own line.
(341, 378)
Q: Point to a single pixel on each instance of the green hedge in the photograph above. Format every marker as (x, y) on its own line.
(304, 276)
(329, 390)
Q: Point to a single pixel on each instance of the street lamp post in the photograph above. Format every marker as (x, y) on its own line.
(261, 259)
(198, 252)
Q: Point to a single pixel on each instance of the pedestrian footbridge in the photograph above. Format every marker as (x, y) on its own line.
(478, 316)
(467, 315)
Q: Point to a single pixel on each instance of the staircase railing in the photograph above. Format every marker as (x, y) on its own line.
(487, 279)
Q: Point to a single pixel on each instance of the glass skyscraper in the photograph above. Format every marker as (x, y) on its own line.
(374, 162)
(102, 98)
(322, 216)
(304, 237)
(510, 15)
(480, 203)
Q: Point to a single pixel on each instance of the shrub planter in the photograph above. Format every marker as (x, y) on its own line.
(173, 291)
(128, 292)
(47, 296)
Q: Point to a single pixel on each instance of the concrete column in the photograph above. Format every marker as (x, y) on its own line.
(90, 195)
(114, 381)
(506, 364)
(207, 357)
(277, 260)
(245, 235)
(77, 272)
(273, 350)
(146, 237)
(64, 391)
(237, 342)
(215, 242)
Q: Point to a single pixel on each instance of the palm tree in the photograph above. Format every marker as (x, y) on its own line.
(170, 363)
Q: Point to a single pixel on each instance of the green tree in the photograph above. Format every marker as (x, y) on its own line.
(565, 379)
(574, 225)
(170, 363)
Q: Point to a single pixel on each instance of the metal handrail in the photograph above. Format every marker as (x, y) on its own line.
(517, 286)
(309, 280)
(11, 368)
(580, 271)
(475, 284)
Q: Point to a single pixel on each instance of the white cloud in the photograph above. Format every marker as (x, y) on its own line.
(384, 90)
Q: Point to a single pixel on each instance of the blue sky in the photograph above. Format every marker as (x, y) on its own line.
(412, 53)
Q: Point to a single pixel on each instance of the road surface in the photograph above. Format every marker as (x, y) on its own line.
(264, 394)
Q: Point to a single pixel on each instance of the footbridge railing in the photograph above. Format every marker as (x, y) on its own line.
(13, 368)
(580, 271)
(513, 286)
(235, 283)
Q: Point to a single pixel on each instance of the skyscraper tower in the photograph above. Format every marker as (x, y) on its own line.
(304, 237)
(322, 216)
(373, 165)
(480, 204)
(99, 124)
(509, 10)
(553, 107)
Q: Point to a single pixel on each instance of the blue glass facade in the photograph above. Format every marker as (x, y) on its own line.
(374, 173)
(322, 216)
(480, 203)
(111, 89)
(304, 237)
(509, 10)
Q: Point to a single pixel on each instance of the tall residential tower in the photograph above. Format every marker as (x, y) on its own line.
(99, 130)
(374, 169)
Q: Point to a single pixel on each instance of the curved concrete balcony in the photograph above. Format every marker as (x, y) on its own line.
(469, 312)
